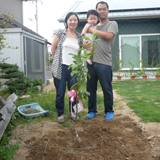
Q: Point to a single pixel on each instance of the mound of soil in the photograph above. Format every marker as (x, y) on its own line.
(123, 138)
(118, 139)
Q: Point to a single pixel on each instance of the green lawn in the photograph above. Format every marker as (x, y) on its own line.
(143, 96)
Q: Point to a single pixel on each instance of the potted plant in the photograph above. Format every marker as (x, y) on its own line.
(144, 77)
(158, 71)
(143, 70)
(119, 62)
(132, 72)
(118, 76)
(133, 76)
(120, 69)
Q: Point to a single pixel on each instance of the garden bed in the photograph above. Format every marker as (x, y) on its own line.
(123, 138)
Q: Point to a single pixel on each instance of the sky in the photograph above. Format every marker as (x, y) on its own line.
(48, 13)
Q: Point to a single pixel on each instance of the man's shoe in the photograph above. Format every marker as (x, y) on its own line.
(109, 116)
(91, 115)
(60, 120)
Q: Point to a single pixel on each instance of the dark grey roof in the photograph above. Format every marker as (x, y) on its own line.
(119, 9)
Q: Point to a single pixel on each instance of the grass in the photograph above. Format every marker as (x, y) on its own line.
(143, 97)
(6, 149)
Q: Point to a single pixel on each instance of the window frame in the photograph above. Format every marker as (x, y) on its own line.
(140, 49)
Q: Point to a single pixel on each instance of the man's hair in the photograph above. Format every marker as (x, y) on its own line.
(102, 2)
(92, 12)
(67, 17)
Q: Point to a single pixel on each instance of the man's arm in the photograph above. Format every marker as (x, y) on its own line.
(105, 35)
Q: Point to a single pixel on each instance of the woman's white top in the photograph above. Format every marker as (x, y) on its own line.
(70, 45)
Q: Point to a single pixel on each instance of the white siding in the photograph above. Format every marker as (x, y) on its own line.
(15, 55)
(15, 37)
(12, 7)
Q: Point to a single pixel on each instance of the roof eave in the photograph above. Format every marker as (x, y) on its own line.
(121, 17)
(133, 17)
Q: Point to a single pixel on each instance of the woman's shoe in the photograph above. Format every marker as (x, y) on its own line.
(74, 118)
(61, 120)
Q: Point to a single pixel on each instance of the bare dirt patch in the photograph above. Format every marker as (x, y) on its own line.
(124, 138)
(49, 87)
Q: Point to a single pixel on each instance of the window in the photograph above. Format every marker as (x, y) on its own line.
(134, 48)
(34, 58)
(151, 50)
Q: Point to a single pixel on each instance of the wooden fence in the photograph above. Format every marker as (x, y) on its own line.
(7, 108)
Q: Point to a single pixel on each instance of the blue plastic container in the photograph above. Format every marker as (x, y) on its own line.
(35, 106)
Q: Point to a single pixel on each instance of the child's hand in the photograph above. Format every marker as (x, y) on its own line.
(85, 29)
(83, 33)
(89, 61)
(86, 42)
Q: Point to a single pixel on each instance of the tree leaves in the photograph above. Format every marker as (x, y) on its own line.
(78, 68)
(87, 38)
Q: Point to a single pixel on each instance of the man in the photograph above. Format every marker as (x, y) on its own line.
(101, 68)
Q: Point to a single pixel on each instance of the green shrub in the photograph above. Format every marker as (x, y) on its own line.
(7, 65)
(9, 70)
(23, 85)
(12, 75)
(37, 82)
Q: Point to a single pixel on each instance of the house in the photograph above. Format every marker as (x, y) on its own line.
(138, 38)
(32, 48)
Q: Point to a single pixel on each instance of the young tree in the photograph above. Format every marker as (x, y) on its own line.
(80, 70)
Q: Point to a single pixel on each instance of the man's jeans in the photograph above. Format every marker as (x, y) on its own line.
(61, 89)
(103, 73)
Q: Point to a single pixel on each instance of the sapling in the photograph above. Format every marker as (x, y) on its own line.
(80, 71)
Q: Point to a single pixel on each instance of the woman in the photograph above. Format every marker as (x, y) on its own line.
(65, 41)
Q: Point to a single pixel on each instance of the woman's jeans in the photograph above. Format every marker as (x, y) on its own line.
(61, 89)
(103, 73)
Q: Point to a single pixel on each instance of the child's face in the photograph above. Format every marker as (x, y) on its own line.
(92, 19)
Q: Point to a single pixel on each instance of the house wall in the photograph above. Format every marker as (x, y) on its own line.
(30, 55)
(12, 7)
(14, 55)
(140, 26)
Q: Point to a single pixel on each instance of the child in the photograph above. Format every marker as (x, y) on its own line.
(92, 19)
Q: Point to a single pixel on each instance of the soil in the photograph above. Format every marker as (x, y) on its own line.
(124, 138)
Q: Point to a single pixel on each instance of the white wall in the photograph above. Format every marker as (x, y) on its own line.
(15, 55)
